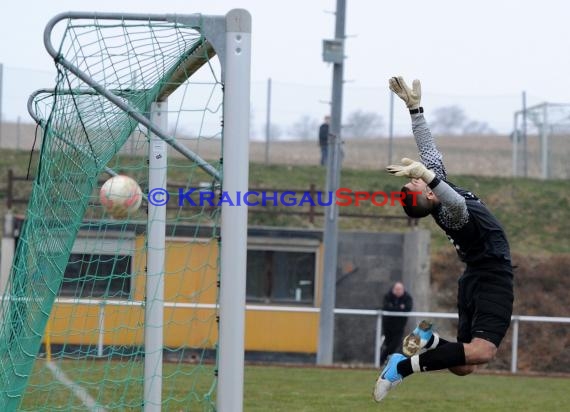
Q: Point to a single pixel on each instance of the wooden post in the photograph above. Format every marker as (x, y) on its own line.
(9, 190)
(312, 207)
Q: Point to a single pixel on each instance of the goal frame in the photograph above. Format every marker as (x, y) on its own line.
(541, 118)
(228, 37)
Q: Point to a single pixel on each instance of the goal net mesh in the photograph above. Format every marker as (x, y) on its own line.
(72, 331)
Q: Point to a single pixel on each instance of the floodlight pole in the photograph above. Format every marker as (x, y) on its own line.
(326, 320)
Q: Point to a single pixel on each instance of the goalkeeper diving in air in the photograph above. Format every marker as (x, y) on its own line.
(485, 292)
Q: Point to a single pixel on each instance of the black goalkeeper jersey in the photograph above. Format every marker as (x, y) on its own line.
(481, 239)
(477, 235)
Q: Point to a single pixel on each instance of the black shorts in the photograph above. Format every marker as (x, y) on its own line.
(485, 304)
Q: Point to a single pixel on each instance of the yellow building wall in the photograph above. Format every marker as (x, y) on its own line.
(191, 277)
(281, 331)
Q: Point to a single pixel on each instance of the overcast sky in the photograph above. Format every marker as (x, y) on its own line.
(480, 54)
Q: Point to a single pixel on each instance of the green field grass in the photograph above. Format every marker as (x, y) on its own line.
(297, 389)
(292, 389)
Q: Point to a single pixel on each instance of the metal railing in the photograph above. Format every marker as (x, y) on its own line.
(515, 319)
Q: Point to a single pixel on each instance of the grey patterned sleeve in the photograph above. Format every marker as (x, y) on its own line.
(429, 154)
(453, 213)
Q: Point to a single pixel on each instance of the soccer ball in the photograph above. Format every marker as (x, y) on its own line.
(120, 196)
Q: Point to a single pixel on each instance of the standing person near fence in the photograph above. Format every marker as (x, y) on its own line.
(324, 139)
(396, 300)
(485, 294)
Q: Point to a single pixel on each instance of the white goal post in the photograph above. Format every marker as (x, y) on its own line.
(229, 38)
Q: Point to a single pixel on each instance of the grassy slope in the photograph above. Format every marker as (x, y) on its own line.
(535, 213)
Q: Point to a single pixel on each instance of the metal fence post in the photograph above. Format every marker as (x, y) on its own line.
(378, 341)
(515, 344)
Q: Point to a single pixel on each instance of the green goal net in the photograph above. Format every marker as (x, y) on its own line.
(102, 313)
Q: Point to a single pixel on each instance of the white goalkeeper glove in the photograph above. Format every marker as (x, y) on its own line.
(411, 96)
(412, 169)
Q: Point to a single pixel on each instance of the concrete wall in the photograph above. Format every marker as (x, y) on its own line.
(369, 263)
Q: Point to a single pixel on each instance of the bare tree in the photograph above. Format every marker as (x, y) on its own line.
(306, 128)
(275, 131)
(475, 127)
(363, 124)
(448, 120)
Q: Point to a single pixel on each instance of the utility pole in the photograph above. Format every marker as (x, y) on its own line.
(268, 122)
(333, 51)
(391, 129)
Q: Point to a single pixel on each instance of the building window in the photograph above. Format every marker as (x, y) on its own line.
(281, 276)
(97, 276)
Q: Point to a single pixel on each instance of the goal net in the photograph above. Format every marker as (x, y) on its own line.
(540, 141)
(147, 311)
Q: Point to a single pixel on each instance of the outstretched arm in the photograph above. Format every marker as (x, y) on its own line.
(430, 156)
(453, 211)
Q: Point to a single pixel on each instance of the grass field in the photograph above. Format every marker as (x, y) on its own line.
(293, 389)
(296, 389)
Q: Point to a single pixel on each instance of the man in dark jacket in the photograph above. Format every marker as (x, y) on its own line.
(324, 139)
(396, 300)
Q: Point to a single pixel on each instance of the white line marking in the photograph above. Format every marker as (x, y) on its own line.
(77, 390)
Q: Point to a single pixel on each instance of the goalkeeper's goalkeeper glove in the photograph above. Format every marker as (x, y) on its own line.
(412, 169)
(411, 96)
